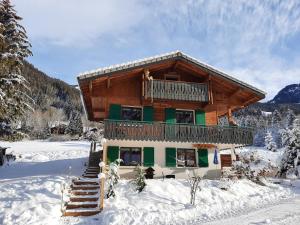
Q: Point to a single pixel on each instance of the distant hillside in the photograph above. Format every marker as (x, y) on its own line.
(47, 91)
(289, 94)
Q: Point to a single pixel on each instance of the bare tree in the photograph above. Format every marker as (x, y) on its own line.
(194, 182)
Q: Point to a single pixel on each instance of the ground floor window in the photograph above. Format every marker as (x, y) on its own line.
(186, 157)
(131, 156)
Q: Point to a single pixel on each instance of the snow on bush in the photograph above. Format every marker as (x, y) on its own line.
(290, 162)
(250, 166)
(113, 177)
(269, 143)
(140, 180)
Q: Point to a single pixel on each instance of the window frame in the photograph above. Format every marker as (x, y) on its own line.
(130, 106)
(186, 110)
(130, 149)
(195, 155)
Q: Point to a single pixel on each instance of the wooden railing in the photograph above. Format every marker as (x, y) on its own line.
(145, 131)
(175, 90)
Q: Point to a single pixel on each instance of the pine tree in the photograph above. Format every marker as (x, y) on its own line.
(113, 177)
(269, 143)
(289, 119)
(291, 157)
(139, 179)
(75, 125)
(14, 48)
(276, 118)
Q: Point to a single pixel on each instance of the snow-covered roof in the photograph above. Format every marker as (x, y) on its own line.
(150, 60)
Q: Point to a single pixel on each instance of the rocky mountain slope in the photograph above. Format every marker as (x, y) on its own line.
(289, 94)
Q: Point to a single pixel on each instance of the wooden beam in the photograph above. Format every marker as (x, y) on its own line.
(91, 87)
(236, 92)
(204, 145)
(108, 82)
(250, 100)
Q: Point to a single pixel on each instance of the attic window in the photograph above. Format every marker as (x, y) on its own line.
(172, 77)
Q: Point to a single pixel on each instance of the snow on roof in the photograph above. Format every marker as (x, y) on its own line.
(171, 55)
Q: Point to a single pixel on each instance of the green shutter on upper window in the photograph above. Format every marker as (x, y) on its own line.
(170, 115)
(170, 157)
(148, 156)
(114, 112)
(200, 117)
(112, 153)
(202, 158)
(148, 113)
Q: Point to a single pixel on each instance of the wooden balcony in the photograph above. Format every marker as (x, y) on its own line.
(145, 131)
(176, 90)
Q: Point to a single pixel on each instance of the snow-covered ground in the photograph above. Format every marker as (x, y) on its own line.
(30, 186)
(30, 194)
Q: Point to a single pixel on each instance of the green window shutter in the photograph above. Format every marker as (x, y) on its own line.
(112, 153)
(148, 113)
(114, 112)
(202, 158)
(170, 115)
(200, 117)
(170, 157)
(148, 156)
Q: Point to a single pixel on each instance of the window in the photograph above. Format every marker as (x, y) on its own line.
(186, 157)
(184, 116)
(131, 113)
(130, 156)
(172, 77)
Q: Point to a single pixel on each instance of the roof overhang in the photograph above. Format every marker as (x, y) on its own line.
(177, 55)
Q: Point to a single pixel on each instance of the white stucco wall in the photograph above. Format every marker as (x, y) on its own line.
(211, 172)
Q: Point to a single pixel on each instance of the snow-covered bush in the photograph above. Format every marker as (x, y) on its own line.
(250, 166)
(139, 181)
(269, 143)
(290, 162)
(113, 177)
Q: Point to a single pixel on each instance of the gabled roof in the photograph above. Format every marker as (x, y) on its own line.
(177, 55)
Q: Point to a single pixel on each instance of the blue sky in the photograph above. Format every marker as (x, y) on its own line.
(255, 41)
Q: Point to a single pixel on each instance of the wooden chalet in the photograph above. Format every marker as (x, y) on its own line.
(164, 112)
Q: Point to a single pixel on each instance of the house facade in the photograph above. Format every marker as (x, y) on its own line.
(165, 112)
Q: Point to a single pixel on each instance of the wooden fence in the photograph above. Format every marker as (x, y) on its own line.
(157, 131)
(174, 90)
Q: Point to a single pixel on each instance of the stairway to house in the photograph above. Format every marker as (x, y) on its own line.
(85, 191)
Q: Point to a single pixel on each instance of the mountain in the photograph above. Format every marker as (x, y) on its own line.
(50, 92)
(287, 95)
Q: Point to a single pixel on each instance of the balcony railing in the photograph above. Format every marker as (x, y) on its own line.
(145, 131)
(175, 90)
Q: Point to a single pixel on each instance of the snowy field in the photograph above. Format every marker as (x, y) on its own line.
(30, 187)
(30, 194)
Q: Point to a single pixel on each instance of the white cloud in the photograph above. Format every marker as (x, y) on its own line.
(76, 22)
